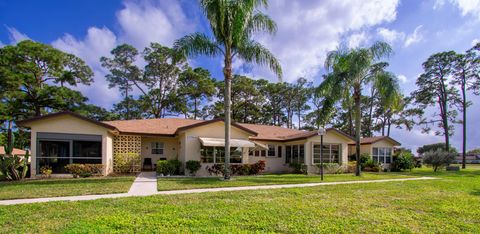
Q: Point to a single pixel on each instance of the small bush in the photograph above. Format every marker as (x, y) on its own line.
(168, 167)
(371, 166)
(298, 168)
(237, 169)
(83, 170)
(257, 167)
(216, 169)
(193, 166)
(438, 159)
(331, 168)
(364, 158)
(46, 171)
(402, 160)
(127, 162)
(351, 167)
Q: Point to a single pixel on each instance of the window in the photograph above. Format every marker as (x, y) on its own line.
(271, 151)
(288, 154)
(330, 153)
(295, 153)
(382, 155)
(279, 152)
(59, 153)
(157, 148)
(210, 154)
(263, 153)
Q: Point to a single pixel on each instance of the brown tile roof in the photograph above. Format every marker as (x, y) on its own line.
(171, 126)
(371, 140)
(165, 126)
(15, 151)
(271, 132)
(26, 121)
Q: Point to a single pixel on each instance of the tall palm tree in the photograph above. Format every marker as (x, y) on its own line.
(232, 23)
(352, 69)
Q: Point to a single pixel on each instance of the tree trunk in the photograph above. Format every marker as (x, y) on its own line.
(357, 97)
(445, 127)
(299, 118)
(464, 140)
(127, 104)
(227, 101)
(195, 108)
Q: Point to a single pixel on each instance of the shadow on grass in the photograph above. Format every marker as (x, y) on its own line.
(48, 182)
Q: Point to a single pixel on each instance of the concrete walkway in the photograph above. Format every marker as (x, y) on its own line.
(145, 184)
(144, 188)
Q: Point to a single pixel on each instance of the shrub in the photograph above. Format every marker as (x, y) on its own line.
(257, 167)
(364, 158)
(298, 168)
(331, 168)
(402, 160)
(83, 170)
(46, 171)
(168, 167)
(193, 166)
(371, 166)
(127, 162)
(435, 147)
(438, 159)
(216, 169)
(236, 169)
(351, 167)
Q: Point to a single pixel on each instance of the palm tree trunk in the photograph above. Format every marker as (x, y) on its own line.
(357, 97)
(227, 101)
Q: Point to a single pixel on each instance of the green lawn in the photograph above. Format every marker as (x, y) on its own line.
(166, 183)
(64, 187)
(450, 204)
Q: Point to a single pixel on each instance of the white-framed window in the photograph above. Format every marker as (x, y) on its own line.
(158, 148)
(210, 154)
(330, 152)
(271, 151)
(382, 154)
(295, 153)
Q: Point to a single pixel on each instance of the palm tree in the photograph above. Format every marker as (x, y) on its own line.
(352, 69)
(232, 23)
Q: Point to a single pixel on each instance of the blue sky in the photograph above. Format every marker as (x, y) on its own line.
(307, 29)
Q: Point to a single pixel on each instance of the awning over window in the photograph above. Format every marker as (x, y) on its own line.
(218, 142)
(259, 146)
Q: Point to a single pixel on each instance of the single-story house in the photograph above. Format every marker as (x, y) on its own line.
(381, 148)
(62, 138)
(15, 151)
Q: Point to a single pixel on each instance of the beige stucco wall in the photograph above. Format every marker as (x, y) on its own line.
(363, 149)
(171, 148)
(191, 144)
(330, 138)
(272, 164)
(71, 125)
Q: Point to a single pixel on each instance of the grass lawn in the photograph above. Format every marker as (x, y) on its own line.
(166, 183)
(449, 204)
(65, 187)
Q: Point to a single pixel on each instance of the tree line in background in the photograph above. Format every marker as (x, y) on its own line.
(37, 79)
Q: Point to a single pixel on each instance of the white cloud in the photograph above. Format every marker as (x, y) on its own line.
(402, 78)
(475, 41)
(415, 37)
(141, 22)
(16, 36)
(390, 36)
(357, 39)
(97, 43)
(467, 7)
(144, 22)
(307, 30)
